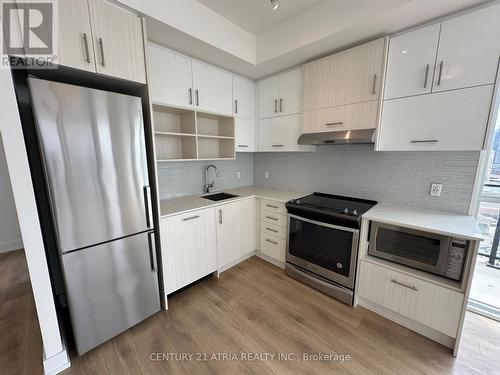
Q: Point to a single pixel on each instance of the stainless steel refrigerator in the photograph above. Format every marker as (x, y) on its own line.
(94, 155)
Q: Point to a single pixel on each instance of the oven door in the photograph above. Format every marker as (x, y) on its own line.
(324, 249)
(413, 248)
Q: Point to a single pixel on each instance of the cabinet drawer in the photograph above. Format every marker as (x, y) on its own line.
(427, 303)
(272, 229)
(273, 247)
(272, 206)
(273, 218)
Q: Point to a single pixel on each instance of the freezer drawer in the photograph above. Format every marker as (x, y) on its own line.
(110, 288)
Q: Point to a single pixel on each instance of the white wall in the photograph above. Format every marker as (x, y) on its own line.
(10, 235)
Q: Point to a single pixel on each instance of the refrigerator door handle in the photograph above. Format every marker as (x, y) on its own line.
(149, 210)
(152, 251)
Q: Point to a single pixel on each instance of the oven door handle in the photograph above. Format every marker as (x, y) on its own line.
(346, 229)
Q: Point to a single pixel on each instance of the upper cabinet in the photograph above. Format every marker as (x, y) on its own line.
(439, 85)
(469, 49)
(170, 78)
(342, 91)
(280, 95)
(213, 89)
(410, 63)
(180, 82)
(100, 37)
(242, 97)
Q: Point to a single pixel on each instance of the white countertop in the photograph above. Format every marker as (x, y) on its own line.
(175, 206)
(445, 223)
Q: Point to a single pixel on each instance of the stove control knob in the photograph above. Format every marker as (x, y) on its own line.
(298, 201)
(339, 265)
(355, 213)
(346, 211)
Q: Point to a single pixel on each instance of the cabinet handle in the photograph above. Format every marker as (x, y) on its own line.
(271, 218)
(236, 106)
(403, 285)
(440, 73)
(243, 146)
(335, 123)
(277, 145)
(275, 105)
(86, 45)
(191, 218)
(272, 230)
(190, 93)
(197, 96)
(425, 141)
(273, 242)
(426, 75)
(270, 205)
(374, 83)
(101, 47)
(220, 216)
(281, 104)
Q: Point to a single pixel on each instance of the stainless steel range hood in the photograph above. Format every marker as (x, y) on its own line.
(338, 137)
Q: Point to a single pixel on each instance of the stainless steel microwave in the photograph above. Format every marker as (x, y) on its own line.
(434, 253)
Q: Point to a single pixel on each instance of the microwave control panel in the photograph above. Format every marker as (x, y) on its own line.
(456, 259)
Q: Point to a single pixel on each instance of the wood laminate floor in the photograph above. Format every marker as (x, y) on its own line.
(253, 308)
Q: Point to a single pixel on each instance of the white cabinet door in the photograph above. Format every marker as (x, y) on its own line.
(75, 36)
(213, 89)
(452, 120)
(236, 230)
(170, 78)
(242, 98)
(118, 41)
(469, 50)
(244, 135)
(410, 64)
(364, 72)
(427, 303)
(325, 82)
(188, 248)
(290, 89)
(280, 134)
(268, 97)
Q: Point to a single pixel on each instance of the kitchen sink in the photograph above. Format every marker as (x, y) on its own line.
(218, 196)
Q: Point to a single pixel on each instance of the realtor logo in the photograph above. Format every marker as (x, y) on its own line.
(29, 33)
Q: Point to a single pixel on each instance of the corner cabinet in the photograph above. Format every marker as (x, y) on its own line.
(98, 36)
(439, 84)
(188, 248)
(342, 91)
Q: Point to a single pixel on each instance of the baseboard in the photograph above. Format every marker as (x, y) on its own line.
(11, 246)
(277, 263)
(428, 332)
(57, 363)
(237, 261)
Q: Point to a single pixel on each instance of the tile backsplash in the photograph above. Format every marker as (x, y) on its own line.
(402, 178)
(188, 177)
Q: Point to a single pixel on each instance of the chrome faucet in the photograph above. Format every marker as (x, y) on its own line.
(208, 186)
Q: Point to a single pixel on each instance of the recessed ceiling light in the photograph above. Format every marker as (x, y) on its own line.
(275, 4)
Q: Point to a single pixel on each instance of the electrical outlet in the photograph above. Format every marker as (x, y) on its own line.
(237, 175)
(266, 174)
(436, 190)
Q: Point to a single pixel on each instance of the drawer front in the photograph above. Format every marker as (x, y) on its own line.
(273, 218)
(427, 303)
(273, 230)
(272, 206)
(273, 247)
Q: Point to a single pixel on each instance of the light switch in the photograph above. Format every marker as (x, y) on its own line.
(266, 174)
(237, 175)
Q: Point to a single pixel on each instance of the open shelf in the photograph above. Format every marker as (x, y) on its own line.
(215, 148)
(183, 134)
(173, 120)
(214, 125)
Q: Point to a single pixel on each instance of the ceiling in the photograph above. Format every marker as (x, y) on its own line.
(257, 16)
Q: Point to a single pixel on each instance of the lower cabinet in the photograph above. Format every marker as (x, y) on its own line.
(236, 230)
(427, 303)
(189, 248)
(273, 229)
